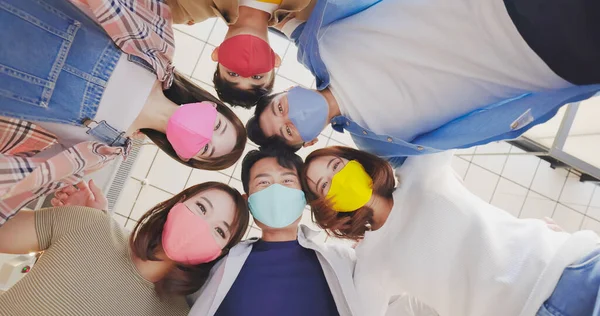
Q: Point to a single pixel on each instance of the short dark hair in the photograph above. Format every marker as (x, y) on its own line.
(284, 157)
(255, 132)
(230, 93)
(184, 91)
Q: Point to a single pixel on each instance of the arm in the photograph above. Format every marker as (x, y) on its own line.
(37, 230)
(18, 235)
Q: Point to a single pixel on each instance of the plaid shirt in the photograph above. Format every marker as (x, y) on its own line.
(24, 178)
(139, 27)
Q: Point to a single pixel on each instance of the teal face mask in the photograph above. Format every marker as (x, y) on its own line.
(277, 206)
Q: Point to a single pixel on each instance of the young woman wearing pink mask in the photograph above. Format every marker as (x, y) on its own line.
(91, 266)
(431, 237)
(73, 97)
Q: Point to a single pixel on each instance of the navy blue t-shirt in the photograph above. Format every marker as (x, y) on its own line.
(279, 278)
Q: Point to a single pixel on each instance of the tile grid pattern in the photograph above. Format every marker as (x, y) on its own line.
(523, 185)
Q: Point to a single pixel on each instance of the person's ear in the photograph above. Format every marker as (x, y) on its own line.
(215, 55)
(310, 143)
(277, 60)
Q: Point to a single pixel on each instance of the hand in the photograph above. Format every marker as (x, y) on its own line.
(82, 195)
(552, 225)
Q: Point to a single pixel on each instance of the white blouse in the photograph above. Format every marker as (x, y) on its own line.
(458, 254)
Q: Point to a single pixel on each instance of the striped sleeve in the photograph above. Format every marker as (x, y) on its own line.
(53, 223)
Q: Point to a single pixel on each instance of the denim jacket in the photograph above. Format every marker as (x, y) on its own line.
(507, 119)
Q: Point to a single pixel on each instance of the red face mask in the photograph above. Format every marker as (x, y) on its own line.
(246, 55)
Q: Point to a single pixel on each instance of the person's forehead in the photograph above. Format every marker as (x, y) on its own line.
(269, 166)
(319, 163)
(221, 201)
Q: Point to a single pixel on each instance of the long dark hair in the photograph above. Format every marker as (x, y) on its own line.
(184, 91)
(348, 225)
(146, 239)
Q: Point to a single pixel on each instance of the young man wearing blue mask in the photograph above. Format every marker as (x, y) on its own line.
(285, 272)
(409, 78)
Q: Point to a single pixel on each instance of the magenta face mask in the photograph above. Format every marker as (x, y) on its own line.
(191, 127)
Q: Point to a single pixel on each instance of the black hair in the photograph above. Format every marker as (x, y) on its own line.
(230, 93)
(255, 132)
(284, 157)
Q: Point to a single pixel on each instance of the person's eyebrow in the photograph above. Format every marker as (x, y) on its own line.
(290, 173)
(227, 226)
(317, 186)
(208, 202)
(224, 129)
(330, 161)
(281, 132)
(261, 175)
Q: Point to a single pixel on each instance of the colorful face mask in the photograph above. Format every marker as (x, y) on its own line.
(277, 206)
(351, 188)
(308, 110)
(246, 55)
(187, 238)
(191, 127)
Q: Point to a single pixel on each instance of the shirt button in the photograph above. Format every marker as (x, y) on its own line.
(419, 148)
(365, 132)
(389, 139)
(347, 123)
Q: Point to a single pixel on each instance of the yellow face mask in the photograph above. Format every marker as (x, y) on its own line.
(351, 188)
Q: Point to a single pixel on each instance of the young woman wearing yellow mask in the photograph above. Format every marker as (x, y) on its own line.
(429, 236)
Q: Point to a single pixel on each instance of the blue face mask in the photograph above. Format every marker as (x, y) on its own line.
(277, 206)
(308, 110)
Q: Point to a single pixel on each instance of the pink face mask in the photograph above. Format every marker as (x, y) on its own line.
(187, 238)
(191, 127)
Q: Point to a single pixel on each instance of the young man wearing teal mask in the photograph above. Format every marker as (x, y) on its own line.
(285, 272)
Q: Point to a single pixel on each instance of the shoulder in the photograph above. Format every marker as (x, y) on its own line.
(341, 251)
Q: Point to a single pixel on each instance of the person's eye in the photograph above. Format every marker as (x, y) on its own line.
(288, 181)
(205, 149)
(288, 130)
(220, 232)
(336, 165)
(263, 182)
(218, 125)
(323, 186)
(257, 77)
(280, 108)
(233, 74)
(201, 207)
